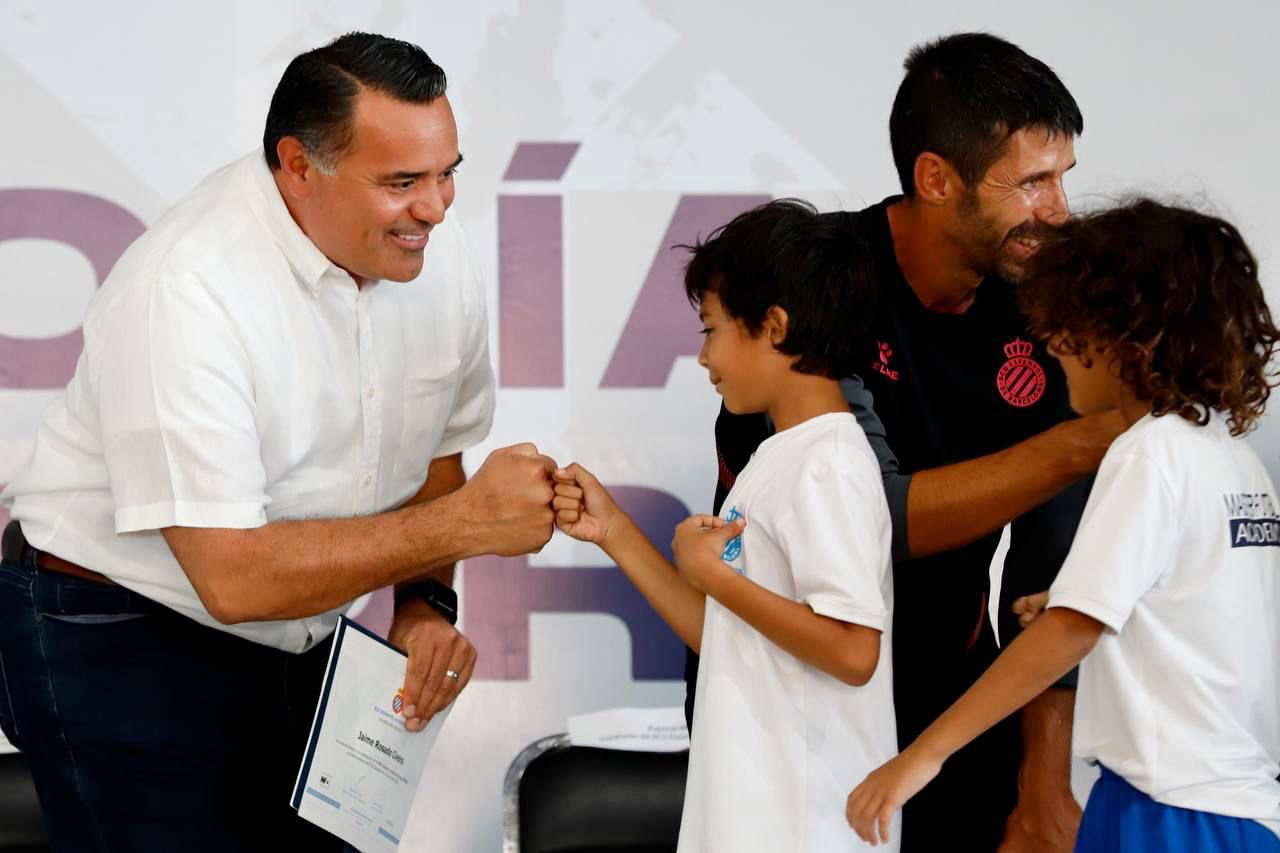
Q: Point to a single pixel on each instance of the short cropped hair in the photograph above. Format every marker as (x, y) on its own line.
(315, 99)
(1171, 295)
(783, 253)
(964, 95)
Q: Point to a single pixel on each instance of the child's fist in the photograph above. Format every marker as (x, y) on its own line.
(1029, 607)
(567, 502)
(699, 546)
(584, 509)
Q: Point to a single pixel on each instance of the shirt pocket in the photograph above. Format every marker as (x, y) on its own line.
(428, 405)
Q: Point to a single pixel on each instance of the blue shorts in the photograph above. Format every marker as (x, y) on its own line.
(1119, 817)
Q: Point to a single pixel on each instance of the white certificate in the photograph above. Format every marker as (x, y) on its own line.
(362, 766)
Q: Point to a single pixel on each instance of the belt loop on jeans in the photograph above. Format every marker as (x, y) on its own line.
(15, 547)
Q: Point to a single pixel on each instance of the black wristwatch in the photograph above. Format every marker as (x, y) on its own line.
(437, 595)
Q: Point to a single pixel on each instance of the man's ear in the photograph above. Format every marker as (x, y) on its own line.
(775, 325)
(296, 168)
(937, 181)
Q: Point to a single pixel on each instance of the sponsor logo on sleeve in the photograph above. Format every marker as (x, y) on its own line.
(1254, 521)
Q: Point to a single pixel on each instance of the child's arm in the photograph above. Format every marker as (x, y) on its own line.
(1054, 643)
(840, 649)
(585, 511)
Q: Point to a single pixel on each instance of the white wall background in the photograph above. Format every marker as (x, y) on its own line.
(136, 101)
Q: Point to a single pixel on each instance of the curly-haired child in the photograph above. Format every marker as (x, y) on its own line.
(1171, 592)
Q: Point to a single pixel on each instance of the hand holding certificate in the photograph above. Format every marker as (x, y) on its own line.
(361, 768)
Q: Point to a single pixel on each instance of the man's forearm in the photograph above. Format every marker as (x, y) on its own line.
(1047, 817)
(953, 505)
(444, 476)
(1046, 744)
(294, 569)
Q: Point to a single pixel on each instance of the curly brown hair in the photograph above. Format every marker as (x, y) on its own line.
(1172, 296)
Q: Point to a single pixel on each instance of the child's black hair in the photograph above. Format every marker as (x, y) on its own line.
(783, 253)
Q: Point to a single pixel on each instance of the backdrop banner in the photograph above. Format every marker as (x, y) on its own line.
(596, 136)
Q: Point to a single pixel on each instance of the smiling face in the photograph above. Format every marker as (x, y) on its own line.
(999, 223)
(374, 214)
(739, 364)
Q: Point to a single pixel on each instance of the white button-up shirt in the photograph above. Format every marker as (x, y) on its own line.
(233, 376)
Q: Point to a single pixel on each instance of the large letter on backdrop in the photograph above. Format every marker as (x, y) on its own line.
(100, 229)
(661, 327)
(531, 271)
(501, 592)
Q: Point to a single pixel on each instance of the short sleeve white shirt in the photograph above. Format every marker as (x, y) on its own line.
(233, 376)
(778, 744)
(1178, 555)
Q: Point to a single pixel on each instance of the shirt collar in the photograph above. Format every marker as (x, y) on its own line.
(308, 262)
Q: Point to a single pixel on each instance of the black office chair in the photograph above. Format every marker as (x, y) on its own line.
(560, 798)
(21, 827)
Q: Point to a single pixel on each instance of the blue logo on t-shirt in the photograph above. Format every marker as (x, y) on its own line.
(1254, 520)
(733, 550)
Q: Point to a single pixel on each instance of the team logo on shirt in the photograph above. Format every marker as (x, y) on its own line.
(881, 365)
(1021, 379)
(733, 550)
(1254, 520)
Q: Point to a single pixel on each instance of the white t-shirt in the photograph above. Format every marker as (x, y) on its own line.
(232, 376)
(1178, 554)
(778, 744)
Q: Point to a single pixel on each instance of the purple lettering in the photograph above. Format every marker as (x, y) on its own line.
(530, 291)
(531, 271)
(100, 229)
(501, 592)
(661, 327)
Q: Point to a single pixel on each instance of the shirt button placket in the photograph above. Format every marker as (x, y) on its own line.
(370, 451)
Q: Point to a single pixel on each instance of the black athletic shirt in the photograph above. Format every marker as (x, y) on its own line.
(936, 389)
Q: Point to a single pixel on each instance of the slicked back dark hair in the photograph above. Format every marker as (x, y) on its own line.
(783, 253)
(1172, 296)
(315, 99)
(962, 98)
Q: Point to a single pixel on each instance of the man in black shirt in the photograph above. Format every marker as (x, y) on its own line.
(971, 423)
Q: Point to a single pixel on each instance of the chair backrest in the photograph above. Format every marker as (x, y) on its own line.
(21, 827)
(561, 798)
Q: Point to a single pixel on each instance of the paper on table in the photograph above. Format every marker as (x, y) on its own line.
(634, 729)
(362, 766)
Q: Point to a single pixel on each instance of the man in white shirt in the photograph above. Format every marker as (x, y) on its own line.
(267, 421)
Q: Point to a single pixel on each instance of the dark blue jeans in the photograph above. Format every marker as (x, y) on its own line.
(146, 731)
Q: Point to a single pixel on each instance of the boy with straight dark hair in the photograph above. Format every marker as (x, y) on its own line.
(789, 596)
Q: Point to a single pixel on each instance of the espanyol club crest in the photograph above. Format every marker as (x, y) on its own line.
(1021, 380)
(397, 702)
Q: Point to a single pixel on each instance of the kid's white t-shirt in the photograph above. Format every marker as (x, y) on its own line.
(1178, 554)
(778, 744)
